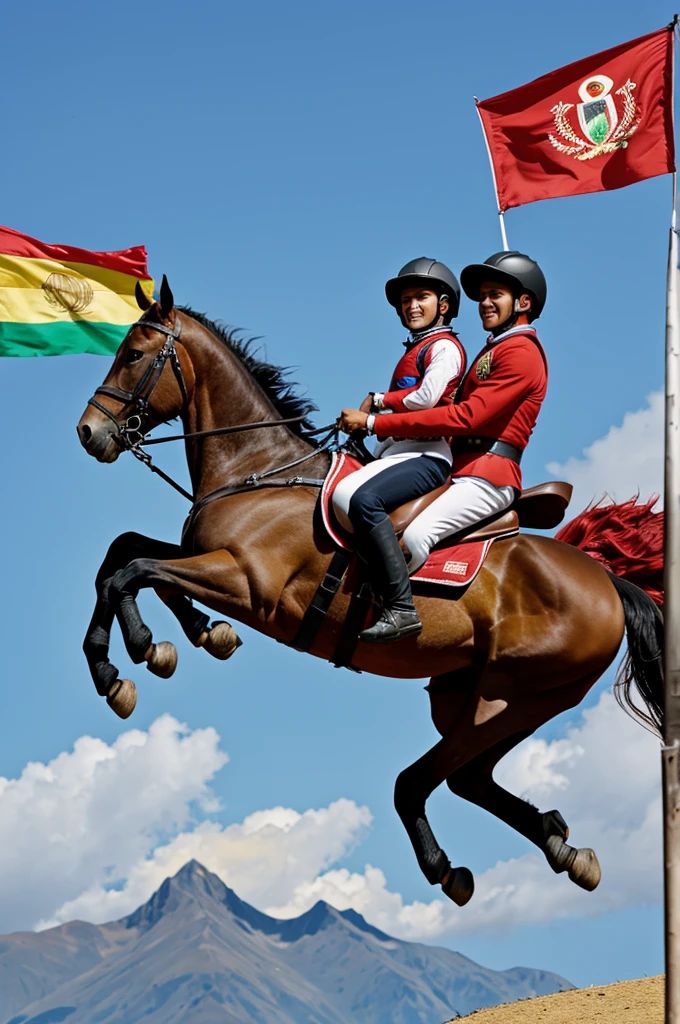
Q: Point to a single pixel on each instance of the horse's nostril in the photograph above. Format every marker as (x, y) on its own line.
(85, 434)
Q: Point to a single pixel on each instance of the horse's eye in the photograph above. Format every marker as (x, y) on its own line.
(133, 355)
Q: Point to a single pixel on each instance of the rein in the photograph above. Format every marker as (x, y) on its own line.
(130, 436)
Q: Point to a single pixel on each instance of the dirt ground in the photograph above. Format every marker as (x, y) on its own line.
(626, 1002)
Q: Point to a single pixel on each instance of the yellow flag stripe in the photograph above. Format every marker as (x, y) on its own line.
(45, 291)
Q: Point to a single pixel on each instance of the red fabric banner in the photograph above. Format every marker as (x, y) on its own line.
(601, 123)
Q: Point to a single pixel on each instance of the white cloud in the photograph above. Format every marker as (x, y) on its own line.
(266, 857)
(626, 460)
(94, 812)
(123, 813)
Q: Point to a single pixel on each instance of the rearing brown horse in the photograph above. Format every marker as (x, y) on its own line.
(526, 641)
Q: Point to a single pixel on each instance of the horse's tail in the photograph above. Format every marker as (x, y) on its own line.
(628, 540)
(643, 664)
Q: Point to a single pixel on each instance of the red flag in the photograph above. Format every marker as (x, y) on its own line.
(601, 123)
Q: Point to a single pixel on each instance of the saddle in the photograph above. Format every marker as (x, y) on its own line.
(539, 508)
(452, 564)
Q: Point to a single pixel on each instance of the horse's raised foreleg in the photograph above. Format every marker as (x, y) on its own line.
(499, 709)
(212, 579)
(120, 694)
(123, 550)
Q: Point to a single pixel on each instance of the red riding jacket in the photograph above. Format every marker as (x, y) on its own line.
(500, 399)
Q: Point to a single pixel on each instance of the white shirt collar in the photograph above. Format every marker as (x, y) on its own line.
(518, 329)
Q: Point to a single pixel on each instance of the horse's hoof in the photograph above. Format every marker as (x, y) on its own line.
(585, 870)
(581, 865)
(459, 885)
(161, 659)
(122, 697)
(221, 640)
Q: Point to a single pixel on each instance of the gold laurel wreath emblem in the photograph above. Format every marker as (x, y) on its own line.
(579, 148)
(68, 292)
(483, 368)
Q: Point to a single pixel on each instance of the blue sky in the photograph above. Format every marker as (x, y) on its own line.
(279, 163)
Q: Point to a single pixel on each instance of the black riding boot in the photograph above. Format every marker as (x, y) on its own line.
(399, 617)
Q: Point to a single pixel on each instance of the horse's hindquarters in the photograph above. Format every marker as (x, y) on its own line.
(539, 609)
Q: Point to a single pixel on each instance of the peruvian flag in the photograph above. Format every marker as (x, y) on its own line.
(601, 123)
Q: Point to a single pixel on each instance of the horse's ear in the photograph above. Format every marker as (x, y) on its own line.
(167, 298)
(143, 300)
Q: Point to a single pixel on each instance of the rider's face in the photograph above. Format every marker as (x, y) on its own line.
(419, 307)
(496, 304)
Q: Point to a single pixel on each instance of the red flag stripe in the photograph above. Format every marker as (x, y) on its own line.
(126, 261)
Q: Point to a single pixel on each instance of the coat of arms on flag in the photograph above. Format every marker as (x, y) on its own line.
(598, 119)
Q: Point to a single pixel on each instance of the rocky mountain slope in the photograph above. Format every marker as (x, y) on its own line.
(197, 954)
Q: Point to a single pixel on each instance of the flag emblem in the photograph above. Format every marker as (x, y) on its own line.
(606, 126)
(68, 292)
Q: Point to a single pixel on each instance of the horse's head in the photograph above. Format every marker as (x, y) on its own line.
(146, 385)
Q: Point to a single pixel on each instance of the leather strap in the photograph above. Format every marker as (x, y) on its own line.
(253, 485)
(359, 606)
(486, 445)
(322, 600)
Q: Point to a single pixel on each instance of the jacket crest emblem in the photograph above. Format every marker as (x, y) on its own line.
(483, 367)
(605, 126)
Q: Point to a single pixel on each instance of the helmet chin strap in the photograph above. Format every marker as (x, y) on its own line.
(517, 311)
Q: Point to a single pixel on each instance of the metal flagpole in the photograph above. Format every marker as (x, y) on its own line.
(670, 754)
(501, 217)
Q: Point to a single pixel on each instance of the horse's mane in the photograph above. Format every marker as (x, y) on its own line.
(281, 392)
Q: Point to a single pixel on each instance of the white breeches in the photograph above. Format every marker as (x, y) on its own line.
(468, 500)
(342, 495)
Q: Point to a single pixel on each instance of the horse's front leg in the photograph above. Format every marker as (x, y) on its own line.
(97, 638)
(220, 640)
(213, 579)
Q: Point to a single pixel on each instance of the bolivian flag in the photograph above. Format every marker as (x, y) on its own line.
(57, 300)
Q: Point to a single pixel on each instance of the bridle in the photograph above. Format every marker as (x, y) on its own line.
(137, 401)
(130, 435)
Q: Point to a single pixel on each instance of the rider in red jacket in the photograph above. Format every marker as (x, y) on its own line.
(426, 296)
(494, 415)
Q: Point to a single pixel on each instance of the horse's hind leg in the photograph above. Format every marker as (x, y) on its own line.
(500, 708)
(548, 830)
(450, 696)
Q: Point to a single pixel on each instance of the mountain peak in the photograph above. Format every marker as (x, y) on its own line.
(193, 883)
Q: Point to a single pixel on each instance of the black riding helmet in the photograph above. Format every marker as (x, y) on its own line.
(430, 273)
(520, 272)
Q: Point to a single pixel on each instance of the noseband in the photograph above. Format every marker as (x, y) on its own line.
(136, 402)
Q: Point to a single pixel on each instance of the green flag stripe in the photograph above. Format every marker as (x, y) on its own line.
(60, 339)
